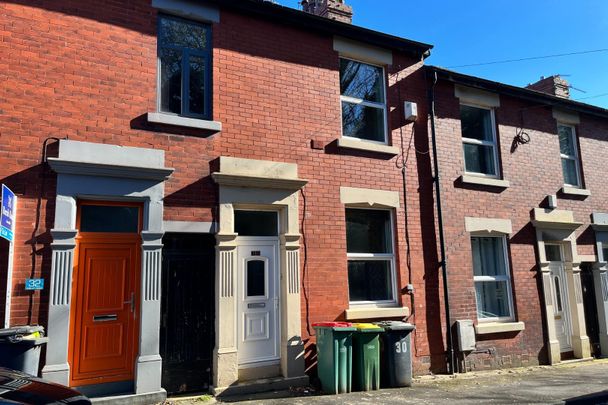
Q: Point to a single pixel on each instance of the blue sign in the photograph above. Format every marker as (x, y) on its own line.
(7, 214)
(34, 284)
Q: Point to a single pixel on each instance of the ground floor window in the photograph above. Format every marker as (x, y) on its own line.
(371, 261)
(492, 278)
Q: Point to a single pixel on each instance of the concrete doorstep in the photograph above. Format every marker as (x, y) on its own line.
(570, 383)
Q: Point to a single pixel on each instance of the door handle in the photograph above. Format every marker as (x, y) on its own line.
(131, 302)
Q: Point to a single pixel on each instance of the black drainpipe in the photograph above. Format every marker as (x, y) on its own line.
(444, 265)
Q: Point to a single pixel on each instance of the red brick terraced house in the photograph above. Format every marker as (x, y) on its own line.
(199, 182)
(187, 174)
(524, 218)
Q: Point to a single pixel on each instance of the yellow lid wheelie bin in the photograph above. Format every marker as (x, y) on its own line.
(366, 357)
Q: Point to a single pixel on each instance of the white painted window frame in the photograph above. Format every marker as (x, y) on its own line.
(354, 100)
(506, 277)
(390, 257)
(493, 143)
(575, 157)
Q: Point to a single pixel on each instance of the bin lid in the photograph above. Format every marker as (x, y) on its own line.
(19, 333)
(367, 327)
(334, 325)
(395, 325)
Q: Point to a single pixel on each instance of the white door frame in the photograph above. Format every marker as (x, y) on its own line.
(253, 243)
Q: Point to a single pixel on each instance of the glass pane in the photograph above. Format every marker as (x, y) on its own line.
(488, 257)
(256, 223)
(492, 299)
(370, 280)
(256, 278)
(476, 123)
(605, 252)
(479, 159)
(171, 81)
(566, 144)
(361, 81)
(558, 294)
(108, 218)
(359, 121)
(569, 169)
(368, 231)
(553, 253)
(197, 85)
(183, 34)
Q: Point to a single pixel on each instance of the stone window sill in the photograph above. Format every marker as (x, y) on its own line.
(499, 327)
(176, 120)
(373, 313)
(484, 181)
(567, 190)
(367, 146)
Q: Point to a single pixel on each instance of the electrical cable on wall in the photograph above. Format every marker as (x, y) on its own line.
(401, 164)
(305, 265)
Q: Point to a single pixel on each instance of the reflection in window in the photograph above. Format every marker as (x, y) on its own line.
(256, 278)
(109, 218)
(479, 140)
(553, 253)
(363, 101)
(569, 155)
(492, 278)
(369, 243)
(256, 223)
(184, 52)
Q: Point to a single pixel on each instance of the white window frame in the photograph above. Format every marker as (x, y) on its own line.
(354, 100)
(575, 157)
(506, 277)
(376, 257)
(493, 143)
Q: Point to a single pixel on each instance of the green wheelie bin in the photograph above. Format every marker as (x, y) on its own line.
(334, 356)
(366, 357)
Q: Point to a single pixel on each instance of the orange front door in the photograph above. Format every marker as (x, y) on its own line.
(105, 319)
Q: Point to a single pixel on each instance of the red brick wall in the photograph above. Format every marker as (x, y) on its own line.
(534, 171)
(87, 70)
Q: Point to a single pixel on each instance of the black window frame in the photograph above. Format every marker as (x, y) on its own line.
(206, 55)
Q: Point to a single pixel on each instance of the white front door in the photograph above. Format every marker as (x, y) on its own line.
(561, 307)
(258, 304)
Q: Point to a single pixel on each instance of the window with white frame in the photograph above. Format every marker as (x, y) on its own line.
(362, 92)
(479, 140)
(184, 56)
(569, 154)
(371, 258)
(492, 278)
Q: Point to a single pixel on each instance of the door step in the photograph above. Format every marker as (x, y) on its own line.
(574, 361)
(260, 385)
(132, 399)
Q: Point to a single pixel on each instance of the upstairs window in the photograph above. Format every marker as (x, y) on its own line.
(479, 140)
(569, 155)
(371, 261)
(184, 54)
(492, 278)
(362, 91)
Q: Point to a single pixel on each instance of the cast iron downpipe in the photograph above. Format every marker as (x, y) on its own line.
(444, 265)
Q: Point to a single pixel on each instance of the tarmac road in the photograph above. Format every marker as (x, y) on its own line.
(572, 384)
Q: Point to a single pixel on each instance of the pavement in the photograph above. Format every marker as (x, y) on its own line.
(577, 383)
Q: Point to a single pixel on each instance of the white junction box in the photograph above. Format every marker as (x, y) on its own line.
(411, 111)
(466, 335)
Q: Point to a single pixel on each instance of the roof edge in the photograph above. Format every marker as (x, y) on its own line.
(517, 92)
(292, 17)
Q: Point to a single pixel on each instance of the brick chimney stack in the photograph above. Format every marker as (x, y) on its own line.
(554, 85)
(332, 9)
